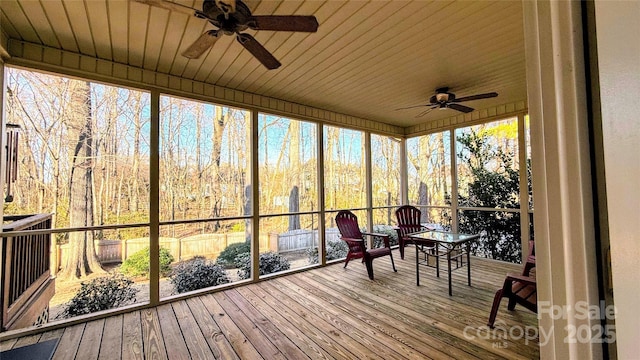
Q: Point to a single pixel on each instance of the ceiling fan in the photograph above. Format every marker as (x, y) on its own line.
(231, 17)
(443, 99)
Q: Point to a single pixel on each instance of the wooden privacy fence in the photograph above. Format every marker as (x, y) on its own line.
(301, 239)
(207, 245)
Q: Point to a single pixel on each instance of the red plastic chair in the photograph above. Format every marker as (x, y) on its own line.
(350, 232)
(520, 289)
(408, 222)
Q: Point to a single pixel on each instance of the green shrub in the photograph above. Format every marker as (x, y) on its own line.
(127, 217)
(138, 263)
(336, 249)
(238, 227)
(197, 273)
(270, 262)
(102, 293)
(312, 255)
(384, 229)
(227, 257)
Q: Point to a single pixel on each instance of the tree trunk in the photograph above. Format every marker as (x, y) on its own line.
(294, 155)
(82, 260)
(135, 198)
(56, 176)
(199, 195)
(389, 207)
(423, 200)
(219, 123)
(330, 163)
(442, 176)
(294, 206)
(119, 202)
(247, 211)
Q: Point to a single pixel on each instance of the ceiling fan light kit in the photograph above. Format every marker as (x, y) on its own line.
(444, 100)
(231, 17)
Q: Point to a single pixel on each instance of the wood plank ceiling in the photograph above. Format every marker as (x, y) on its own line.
(367, 58)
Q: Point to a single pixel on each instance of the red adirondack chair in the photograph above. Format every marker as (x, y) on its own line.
(520, 289)
(408, 222)
(350, 232)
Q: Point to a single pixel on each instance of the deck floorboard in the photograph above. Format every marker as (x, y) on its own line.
(324, 313)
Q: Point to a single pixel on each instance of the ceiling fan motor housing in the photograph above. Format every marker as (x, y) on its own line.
(442, 96)
(228, 23)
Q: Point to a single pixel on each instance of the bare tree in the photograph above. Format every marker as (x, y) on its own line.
(294, 206)
(332, 139)
(220, 120)
(36, 107)
(294, 164)
(137, 115)
(82, 259)
(199, 172)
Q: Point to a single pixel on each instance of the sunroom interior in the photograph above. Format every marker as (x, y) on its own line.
(178, 144)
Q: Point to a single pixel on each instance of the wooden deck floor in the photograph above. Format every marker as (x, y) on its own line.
(323, 313)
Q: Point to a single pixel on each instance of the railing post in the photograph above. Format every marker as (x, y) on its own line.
(123, 251)
(53, 248)
(4, 281)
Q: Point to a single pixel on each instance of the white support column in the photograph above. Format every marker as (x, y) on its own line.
(322, 243)
(564, 229)
(404, 173)
(369, 186)
(255, 199)
(454, 181)
(154, 201)
(617, 29)
(524, 192)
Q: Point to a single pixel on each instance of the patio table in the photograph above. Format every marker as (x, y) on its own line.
(452, 246)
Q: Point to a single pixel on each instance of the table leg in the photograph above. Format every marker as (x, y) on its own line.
(449, 268)
(469, 263)
(437, 261)
(417, 267)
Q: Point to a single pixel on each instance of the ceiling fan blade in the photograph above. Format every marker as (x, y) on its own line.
(426, 111)
(476, 97)
(204, 42)
(413, 107)
(284, 23)
(464, 109)
(169, 5)
(257, 50)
